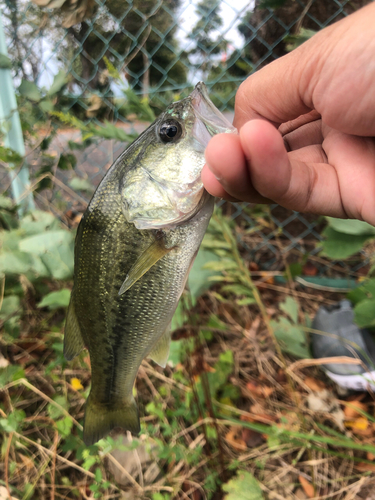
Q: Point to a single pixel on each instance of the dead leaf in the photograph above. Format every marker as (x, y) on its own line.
(281, 377)
(350, 410)
(77, 219)
(289, 420)
(307, 487)
(95, 104)
(325, 401)
(300, 494)
(252, 438)
(370, 456)
(259, 390)
(364, 467)
(194, 495)
(233, 439)
(134, 460)
(309, 269)
(4, 494)
(26, 461)
(315, 384)
(3, 361)
(317, 402)
(259, 414)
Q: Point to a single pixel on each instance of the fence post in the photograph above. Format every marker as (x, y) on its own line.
(10, 126)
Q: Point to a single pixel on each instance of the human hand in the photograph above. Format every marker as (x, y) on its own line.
(306, 128)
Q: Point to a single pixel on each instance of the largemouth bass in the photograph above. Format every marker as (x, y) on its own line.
(134, 247)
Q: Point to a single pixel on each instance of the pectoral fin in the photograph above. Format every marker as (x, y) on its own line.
(144, 262)
(160, 352)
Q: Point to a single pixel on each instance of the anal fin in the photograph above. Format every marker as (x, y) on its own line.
(73, 341)
(160, 352)
(145, 261)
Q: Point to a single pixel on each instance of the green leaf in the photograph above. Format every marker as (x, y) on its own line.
(179, 317)
(217, 379)
(6, 202)
(38, 221)
(295, 269)
(58, 82)
(55, 300)
(339, 245)
(291, 337)
(46, 105)
(294, 41)
(54, 249)
(357, 295)
(39, 244)
(67, 161)
(10, 305)
(364, 313)
(175, 351)
(112, 70)
(30, 91)
(199, 277)
(351, 226)
(64, 426)
(54, 411)
(10, 374)
(243, 487)
(13, 421)
(79, 184)
(8, 155)
(5, 62)
(98, 475)
(290, 307)
(110, 131)
(16, 262)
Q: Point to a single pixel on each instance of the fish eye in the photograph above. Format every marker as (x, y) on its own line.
(170, 131)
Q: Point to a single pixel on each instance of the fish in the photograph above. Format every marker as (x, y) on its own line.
(134, 247)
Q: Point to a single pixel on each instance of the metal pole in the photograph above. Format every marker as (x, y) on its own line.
(10, 126)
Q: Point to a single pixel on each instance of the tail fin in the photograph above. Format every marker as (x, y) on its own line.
(101, 418)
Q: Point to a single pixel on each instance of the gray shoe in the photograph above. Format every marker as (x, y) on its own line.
(347, 340)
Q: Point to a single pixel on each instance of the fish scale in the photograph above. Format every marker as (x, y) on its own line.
(130, 271)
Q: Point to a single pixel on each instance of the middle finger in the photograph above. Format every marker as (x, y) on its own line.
(306, 135)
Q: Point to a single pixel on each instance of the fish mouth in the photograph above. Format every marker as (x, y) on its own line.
(209, 120)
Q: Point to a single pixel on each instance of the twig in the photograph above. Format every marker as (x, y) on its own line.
(2, 288)
(148, 368)
(6, 463)
(55, 443)
(303, 363)
(59, 457)
(124, 471)
(58, 182)
(26, 383)
(302, 16)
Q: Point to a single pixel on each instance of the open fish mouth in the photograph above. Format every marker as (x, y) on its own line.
(209, 120)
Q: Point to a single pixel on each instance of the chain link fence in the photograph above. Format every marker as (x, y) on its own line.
(159, 50)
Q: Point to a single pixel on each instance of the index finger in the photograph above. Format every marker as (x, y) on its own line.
(279, 92)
